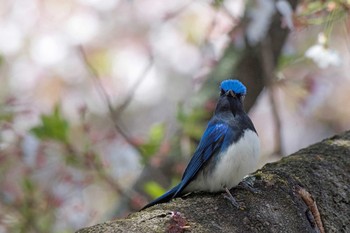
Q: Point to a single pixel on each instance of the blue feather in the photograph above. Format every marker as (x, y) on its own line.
(234, 85)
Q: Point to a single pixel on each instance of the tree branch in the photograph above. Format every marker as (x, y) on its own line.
(304, 192)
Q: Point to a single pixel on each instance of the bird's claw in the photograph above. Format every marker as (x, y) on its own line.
(233, 200)
(248, 186)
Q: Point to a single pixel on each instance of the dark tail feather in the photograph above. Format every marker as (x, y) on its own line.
(164, 198)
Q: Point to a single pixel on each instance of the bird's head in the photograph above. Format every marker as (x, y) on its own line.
(233, 88)
(232, 93)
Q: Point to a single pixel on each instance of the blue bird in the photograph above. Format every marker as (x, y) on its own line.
(228, 150)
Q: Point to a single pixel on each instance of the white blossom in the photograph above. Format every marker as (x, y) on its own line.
(48, 49)
(322, 55)
(82, 27)
(11, 38)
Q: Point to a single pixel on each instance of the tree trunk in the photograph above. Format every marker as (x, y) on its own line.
(308, 191)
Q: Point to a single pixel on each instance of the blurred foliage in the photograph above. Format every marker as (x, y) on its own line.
(5, 116)
(218, 3)
(153, 143)
(193, 123)
(320, 12)
(153, 189)
(28, 185)
(52, 126)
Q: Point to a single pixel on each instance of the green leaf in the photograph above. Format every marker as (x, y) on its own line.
(72, 160)
(157, 133)
(154, 141)
(217, 3)
(153, 189)
(5, 116)
(28, 185)
(52, 126)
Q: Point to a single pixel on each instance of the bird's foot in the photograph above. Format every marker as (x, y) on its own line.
(247, 185)
(233, 200)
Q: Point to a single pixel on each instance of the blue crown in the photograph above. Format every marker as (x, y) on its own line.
(234, 85)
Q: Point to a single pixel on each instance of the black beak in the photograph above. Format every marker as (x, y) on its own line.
(230, 93)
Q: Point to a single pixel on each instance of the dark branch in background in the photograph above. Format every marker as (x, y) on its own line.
(257, 65)
(250, 67)
(246, 64)
(113, 113)
(269, 79)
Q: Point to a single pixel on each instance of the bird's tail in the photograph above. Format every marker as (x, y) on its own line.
(165, 197)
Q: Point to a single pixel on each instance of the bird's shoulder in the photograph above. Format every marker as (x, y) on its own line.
(234, 127)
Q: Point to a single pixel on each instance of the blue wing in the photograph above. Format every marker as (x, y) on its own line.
(210, 144)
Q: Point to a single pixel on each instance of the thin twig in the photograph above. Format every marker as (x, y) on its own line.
(113, 114)
(98, 166)
(127, 194)
(268, 67)
(311, 204)
(96, 78)
(132, 91)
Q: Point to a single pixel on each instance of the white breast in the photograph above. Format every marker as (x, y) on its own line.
(239, 160)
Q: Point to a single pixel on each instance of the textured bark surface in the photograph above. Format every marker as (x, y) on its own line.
(308, 191)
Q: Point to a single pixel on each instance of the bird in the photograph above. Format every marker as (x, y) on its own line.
(228, 150)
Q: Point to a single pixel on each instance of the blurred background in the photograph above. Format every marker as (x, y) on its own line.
(102, 103)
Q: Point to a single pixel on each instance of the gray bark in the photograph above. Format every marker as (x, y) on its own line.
(308, 191)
